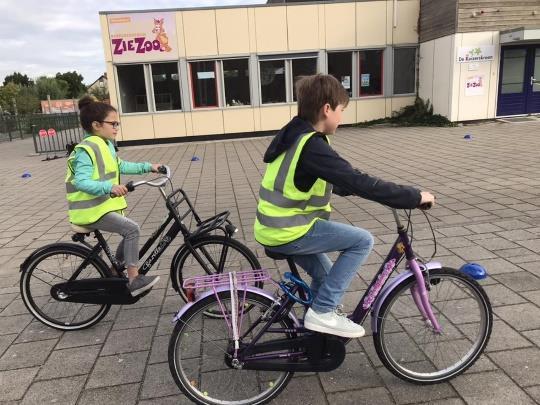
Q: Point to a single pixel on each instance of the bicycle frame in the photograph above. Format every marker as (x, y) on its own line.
(370, 302)
(177, 227)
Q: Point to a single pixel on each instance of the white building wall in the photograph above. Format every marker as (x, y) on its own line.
(443, 80)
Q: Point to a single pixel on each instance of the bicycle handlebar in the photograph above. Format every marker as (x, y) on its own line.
(157, 182)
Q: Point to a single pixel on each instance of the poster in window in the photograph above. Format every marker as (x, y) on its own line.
(364, 80)
(346, 82)
(474, 86)
(141, 37)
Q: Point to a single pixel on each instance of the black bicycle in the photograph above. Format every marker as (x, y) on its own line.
(69, 286)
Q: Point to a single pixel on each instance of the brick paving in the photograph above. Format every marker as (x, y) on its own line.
(488, 211)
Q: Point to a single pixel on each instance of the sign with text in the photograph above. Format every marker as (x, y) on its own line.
(141, 37)
(474, 86)
(468, 54)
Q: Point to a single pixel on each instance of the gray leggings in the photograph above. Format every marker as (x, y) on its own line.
(128, 249)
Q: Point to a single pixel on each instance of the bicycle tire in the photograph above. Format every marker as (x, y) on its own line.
(76, 253)
(180, 261)
(220, 376)
(398, 347)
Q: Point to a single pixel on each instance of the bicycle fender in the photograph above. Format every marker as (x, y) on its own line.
(390, 287)
(39, 250)
(255, 290)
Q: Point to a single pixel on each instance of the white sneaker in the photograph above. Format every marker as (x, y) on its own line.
(333, 323)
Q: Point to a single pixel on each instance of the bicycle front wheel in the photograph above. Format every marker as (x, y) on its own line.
(56, 264)
(200, 345)
(410, 348)
(212, 254)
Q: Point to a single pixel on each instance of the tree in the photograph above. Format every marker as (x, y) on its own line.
(18, 78)
(100, 92)
(7, 94)
(56, 88)
(27, 100)
(75, 83)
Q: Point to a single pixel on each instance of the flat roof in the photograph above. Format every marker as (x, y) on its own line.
(303, 3)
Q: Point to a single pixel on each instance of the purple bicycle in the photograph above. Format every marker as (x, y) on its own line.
(429, 324)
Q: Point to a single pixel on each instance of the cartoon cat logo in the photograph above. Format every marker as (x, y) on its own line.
(161, 36)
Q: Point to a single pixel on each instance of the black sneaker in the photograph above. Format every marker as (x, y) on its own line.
(142, 283)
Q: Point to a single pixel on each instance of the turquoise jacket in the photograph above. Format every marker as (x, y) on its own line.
(84, 168)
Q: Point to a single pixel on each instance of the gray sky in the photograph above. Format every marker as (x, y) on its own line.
(43, 37)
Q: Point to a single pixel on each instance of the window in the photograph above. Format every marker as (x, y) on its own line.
(302, 67)
(404, 70)
(340, 66)
(273, 88)
(132, 88)
(279, 76)
(204, 84)
(371, 76)
(236, 82)
(166, 86)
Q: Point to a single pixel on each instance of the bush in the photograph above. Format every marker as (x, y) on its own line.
(418, 114)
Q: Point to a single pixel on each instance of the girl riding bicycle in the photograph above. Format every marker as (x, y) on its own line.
(94, 193)
(294, 202)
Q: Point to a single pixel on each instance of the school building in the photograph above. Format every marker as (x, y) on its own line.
(230, 71)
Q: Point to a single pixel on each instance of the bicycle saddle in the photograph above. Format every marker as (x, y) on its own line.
(275, 255)
(80, 229)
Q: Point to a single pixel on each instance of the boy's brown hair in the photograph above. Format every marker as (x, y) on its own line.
(313, 92)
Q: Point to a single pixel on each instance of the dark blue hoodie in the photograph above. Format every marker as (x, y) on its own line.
(319, 160)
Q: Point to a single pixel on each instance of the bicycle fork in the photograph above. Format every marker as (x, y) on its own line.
(420, 296)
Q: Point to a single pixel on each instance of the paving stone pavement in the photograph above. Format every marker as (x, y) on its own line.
(488, 211)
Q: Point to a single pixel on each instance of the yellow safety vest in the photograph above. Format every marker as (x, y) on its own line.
(85, 209)
(285, 213)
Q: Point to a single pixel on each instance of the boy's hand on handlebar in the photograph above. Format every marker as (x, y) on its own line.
(119, 190)
(427, 201)
(155, 167)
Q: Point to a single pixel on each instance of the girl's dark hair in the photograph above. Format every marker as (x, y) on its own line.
(90, 110)
(313, 92)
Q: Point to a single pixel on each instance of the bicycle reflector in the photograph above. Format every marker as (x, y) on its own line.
(474, 270)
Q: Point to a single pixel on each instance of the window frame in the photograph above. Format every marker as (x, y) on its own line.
(223, 93)
(155, 111)
(354, 64)
(149, 87)
(359, 95)
(289, 79)
(191, 89)
(416, 61)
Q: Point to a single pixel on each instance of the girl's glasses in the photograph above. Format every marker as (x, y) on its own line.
(114, 124)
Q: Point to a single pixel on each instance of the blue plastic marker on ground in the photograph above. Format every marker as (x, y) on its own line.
(26, 175)
(195, 158)
(468, 137)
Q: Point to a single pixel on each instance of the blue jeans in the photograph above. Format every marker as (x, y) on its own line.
(329, 281)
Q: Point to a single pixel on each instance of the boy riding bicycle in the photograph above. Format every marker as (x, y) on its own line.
(294, 202)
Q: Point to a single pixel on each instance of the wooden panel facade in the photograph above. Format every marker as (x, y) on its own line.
(438, 18)
(492, 15)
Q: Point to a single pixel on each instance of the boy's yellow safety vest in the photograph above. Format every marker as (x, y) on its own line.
(85, 209)
(285, 213)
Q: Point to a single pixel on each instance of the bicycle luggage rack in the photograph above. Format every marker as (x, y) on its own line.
(173, 200)
(213, 281)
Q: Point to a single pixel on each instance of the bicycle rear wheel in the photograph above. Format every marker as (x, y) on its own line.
(55, 264)
(408, 346)
(199, 346)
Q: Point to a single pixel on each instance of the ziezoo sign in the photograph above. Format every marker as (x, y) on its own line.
(469, 54)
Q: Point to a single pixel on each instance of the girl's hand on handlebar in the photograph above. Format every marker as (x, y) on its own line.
(155, 167)
(119, 190)
(427, 201)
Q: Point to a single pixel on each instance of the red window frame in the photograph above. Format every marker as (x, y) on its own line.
(193, 87)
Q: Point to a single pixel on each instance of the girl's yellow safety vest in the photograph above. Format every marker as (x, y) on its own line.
(85, 209)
